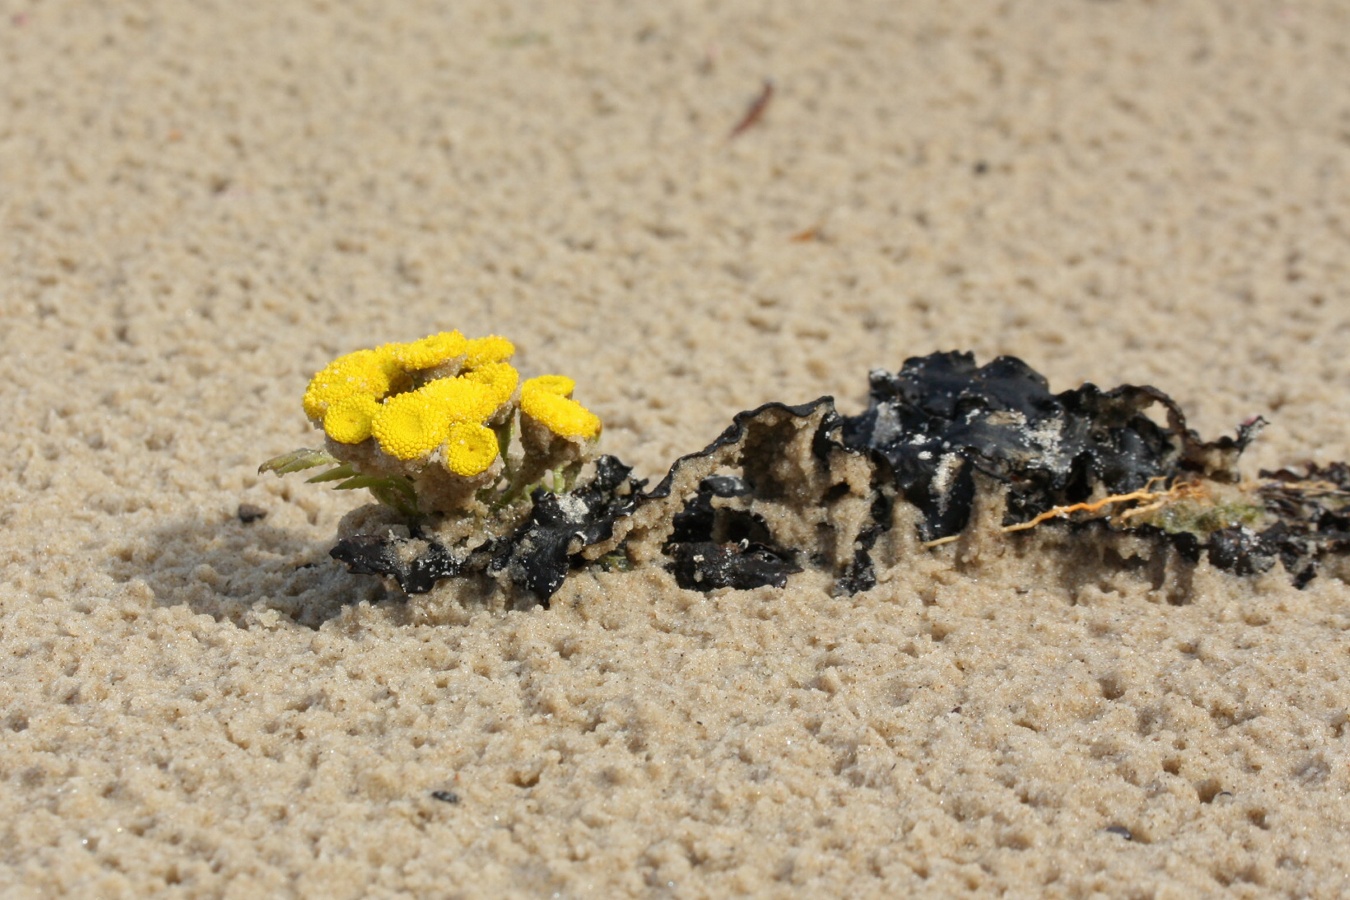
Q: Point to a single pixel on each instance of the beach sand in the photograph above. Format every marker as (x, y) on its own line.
(204, 203)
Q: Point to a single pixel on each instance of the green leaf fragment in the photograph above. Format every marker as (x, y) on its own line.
(337, 473)
(356, 482)
(392, 490)
(1204, 517)
(297, 461)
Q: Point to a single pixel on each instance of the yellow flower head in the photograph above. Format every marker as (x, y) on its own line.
(431, 350)
(370, 372)
(348, 421)
(546, 400)
(498, 377)
(410, 426)
(552, 384)
(444, 401)
(460, 399)
(490, 349)
(470, 449)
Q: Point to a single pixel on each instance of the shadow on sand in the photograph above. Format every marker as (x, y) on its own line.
(232, 569)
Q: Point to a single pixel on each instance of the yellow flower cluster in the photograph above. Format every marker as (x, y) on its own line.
(548, 400)
(439, 395)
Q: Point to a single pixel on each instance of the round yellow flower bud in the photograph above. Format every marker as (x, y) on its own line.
(460, 399)
(470, 449)
(370, 372)
(490, 349)
(348, 421)
(430, 351)
(410, 426)
(545, 400)
(499, 378)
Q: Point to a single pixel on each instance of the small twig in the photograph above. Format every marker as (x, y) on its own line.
(1307, 488)
(755, 111)
(938, 542)
(1156, 505)
(1154, 500)
(1060, 512)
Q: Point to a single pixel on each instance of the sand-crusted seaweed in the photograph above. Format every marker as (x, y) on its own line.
(786, 488)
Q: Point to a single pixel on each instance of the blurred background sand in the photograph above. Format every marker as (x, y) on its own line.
(203, 203)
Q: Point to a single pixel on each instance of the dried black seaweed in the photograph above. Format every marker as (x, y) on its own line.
(536, 556)
(787, 487)
(721, 546)
(560, 526)
(1312, 509)
(940, 419)
(717, 537)
(415, 564)
(705, 565)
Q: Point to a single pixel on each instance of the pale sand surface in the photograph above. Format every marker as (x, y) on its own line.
(203, 203)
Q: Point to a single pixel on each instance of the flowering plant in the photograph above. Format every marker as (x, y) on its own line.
(429, 427)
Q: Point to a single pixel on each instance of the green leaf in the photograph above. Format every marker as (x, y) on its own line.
(336, 473)
(394, 491)
(297, 461)
(397, 495)
(391, 490)
(356, 482)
